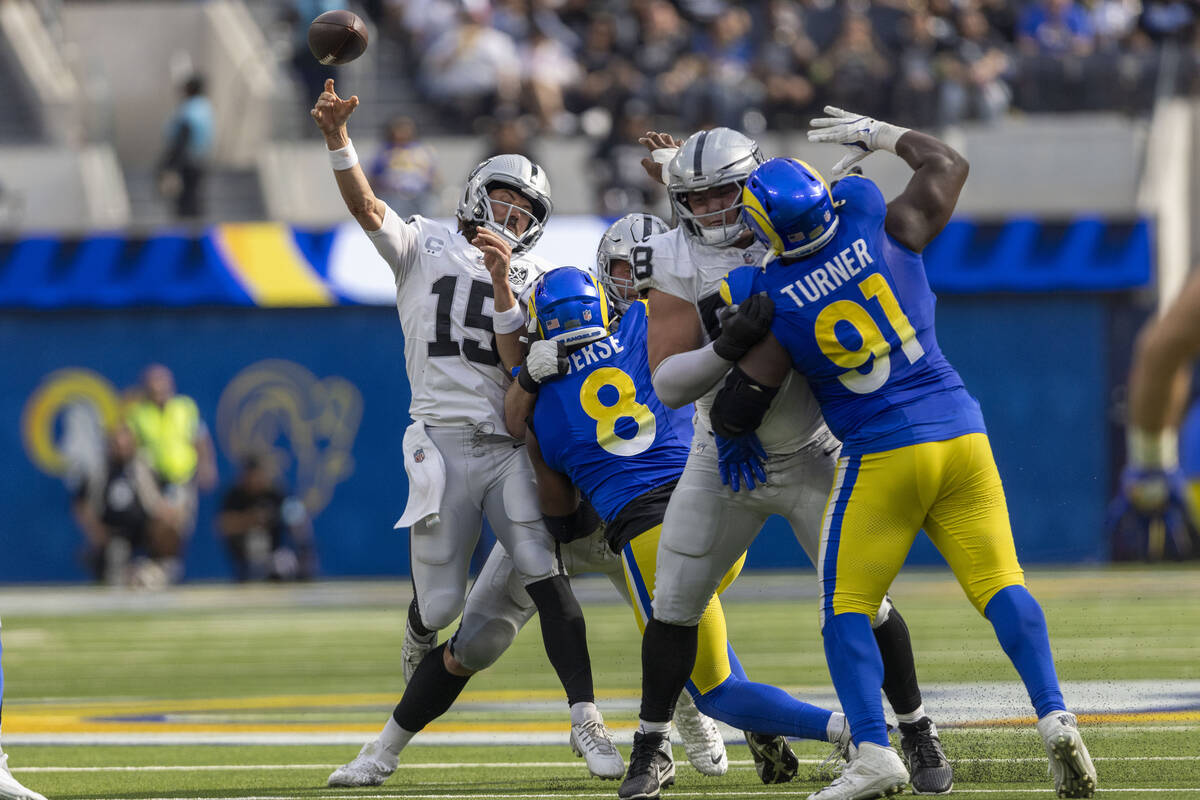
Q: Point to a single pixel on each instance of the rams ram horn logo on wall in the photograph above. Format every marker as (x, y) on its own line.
(306, 425)
(64, 421)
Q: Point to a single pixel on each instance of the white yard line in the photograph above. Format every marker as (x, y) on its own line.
(608, 795)
(511, 764)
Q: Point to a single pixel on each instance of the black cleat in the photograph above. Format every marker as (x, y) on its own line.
(931, 772)
(651, 767)
(773, 758)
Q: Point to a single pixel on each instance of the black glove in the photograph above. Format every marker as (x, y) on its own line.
(546, 361)
(745, 327)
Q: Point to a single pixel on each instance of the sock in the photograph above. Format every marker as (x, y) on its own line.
(1021, 628)
(654, 727)
(833, 728)
(414, 619)
(912, 716)
(764, 709)
(668, 656)
(564, 633)
(899, 670)
(430, 693)
(394, 738)
(857, 671)
(582, 712)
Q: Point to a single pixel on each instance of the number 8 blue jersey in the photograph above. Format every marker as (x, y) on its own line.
(856, 317)
(602, 425)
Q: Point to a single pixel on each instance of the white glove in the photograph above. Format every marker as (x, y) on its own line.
(862, 135)
(546, 360)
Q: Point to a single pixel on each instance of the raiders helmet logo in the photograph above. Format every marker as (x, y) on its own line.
(517, 273)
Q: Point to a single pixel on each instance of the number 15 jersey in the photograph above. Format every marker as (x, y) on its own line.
(856, 318)
(444, 299)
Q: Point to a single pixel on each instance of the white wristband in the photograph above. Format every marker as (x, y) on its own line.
(887, 135)
(1152, 450)
(508, 321)
(343, 158)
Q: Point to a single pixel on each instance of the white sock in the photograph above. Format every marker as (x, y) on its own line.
(912, 716)
(833, 728)
(394, 738)
(654, 727)
(582, 712)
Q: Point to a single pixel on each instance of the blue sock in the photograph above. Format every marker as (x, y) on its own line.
(735, 666)
(1021, 628)
(857, 671)
(761, 708)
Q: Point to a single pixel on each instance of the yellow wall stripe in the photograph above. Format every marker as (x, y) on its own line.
(264, 257)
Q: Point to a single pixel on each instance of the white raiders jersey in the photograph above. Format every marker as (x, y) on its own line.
(444, 298)
(679, 265)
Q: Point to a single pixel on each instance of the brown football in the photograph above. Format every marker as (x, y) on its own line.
(337, 37)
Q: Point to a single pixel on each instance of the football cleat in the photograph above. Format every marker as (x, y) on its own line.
(651, 767)
(875, 772)
(1070, 764)
(931, 771)
(592, 740)
(10, 787)
(702, 739)
(372, 766)
(773, 758)
(414, 650)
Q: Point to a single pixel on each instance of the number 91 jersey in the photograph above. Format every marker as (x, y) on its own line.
(602, 425)
(856, 319)
(444, 297)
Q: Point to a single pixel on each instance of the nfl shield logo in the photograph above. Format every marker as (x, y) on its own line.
(419, 455)
(587, 315)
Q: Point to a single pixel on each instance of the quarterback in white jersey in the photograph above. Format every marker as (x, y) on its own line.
(461, 463)
(692, 335)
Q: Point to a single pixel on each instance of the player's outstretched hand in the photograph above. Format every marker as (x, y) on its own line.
(497, 253)
(546, 361)
(741, 461)
(662, 147)
(862, 134)
(331, 112)
(745, 327)
(1150, 517)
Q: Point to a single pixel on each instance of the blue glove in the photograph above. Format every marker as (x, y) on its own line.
(741, 460)
(1150, 518)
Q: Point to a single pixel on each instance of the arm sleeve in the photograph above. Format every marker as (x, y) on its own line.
(398, 242)
(686, 377)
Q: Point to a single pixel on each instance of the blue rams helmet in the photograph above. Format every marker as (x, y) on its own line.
(789, 207)
(569, 307)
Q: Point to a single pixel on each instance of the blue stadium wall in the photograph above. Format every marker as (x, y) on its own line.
(325, 387)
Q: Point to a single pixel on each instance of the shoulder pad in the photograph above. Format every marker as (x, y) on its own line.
(861, 193)
(738, 285)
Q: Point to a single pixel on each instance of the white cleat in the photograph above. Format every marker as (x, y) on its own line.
(1070, 763)
(372, 766)
(414, 650)
(592, 740)
(10, 787)
(875, 772)
(701, 738)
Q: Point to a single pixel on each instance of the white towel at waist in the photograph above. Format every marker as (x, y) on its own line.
(426, 478)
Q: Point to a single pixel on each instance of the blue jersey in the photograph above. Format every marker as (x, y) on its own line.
(602, 425)
(857, 320)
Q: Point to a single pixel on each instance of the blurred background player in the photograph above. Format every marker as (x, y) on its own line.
(854, 315)
(1154, 515)
(460, 463)
(176, 443)
(116, 504)
(709, 522)
(267, 532)
(596, 428)
(10, 787)
(404, 172)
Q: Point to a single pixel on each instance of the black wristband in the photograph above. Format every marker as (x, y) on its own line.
(526, 381)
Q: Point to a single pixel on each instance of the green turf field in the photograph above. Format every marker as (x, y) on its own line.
(123, 696)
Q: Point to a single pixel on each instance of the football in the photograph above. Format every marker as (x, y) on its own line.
(337, 37)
